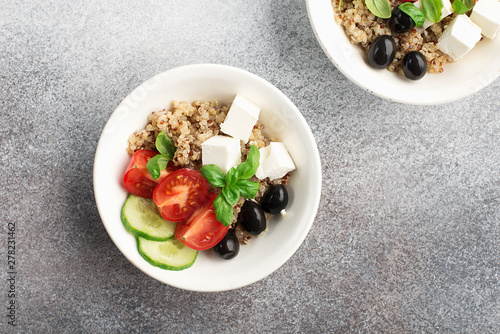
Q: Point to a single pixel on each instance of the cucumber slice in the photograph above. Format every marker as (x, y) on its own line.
(170, 254)
(141, 217)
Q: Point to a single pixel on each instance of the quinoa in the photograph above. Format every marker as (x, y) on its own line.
(362, 27)
(189, 125)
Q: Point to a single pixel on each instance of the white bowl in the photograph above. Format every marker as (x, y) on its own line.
(261, 256)
(477, 69)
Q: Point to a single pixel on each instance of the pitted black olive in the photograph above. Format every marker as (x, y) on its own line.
(252, 218)
(228, 247)
(414, 65)
(275, 199)
(400, 21)
(382, 52)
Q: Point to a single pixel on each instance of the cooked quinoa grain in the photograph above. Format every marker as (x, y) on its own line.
(187, 124)
(362, 27)
(190, 124)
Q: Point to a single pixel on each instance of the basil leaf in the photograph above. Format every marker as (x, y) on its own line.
(244, 170)
(213, 174)
(156, 164)
(248, 189)
(163, 161)
(414, 12)
(223, 210)
(253, 156)
(379, 8)
(248, 168)
(231, 194)
(462, 7)
(164, 144)
(432, 10)
(231, 176)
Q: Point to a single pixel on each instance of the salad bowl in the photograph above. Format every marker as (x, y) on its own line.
(476, 70)
(263, 255)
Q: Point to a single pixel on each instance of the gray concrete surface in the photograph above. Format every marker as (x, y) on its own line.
(407, 235)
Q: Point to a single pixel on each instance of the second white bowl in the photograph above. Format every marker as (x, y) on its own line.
(477, 69)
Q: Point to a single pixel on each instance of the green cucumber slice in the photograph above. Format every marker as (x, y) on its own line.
(141, 217)
(170, 254)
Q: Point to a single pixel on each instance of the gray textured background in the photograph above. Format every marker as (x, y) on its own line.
(407, 235)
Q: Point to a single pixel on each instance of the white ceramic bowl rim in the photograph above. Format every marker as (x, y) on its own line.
(477, 69)
(157, 93)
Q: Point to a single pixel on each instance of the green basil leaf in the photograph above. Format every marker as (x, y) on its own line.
(432, 10)
(459, 7)
(414, 12)
(379, 8)
(213, 174)
(469, 3)
(223, 210)
(153, 168)
(244, 170)
(163, 161)
(164, 144)
(156, 164)
(253, 156)
(231, 194)
(248, 168)
(248, 189)
(462, 7)
(231, 176)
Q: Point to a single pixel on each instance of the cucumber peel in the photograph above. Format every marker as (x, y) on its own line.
(141, 217)
(170, 254)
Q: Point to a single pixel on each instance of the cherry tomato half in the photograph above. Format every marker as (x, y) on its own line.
(137, 179)
(138, 184)
(202, 230)
(140, 159)
(180, 193)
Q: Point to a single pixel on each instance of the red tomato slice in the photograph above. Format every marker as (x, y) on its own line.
(137, 179)
(138, 184)
(140, 158)
(202, 230)
(180, 193)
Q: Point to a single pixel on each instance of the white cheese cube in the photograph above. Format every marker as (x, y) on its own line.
(240, 119)
(486, 14)
(275, 161)
(459, 37)
(223, 151)
(445, 11)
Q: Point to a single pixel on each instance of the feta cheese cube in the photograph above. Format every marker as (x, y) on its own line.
(445, 11)
(275, 161)
(240, 119)
(459, 37)
(486, 14)
(223, 151)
